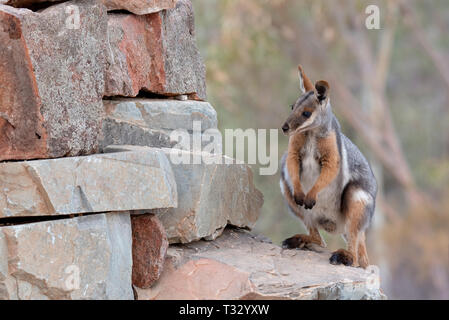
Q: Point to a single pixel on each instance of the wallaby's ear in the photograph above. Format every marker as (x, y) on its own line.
(322, 90)
(304, 82)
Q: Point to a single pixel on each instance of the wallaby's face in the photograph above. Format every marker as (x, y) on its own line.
(309, 109)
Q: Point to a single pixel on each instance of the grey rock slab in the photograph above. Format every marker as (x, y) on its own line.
(87, 257)
(122, 181)
(211, 195)
(150, 122)
(162, 113)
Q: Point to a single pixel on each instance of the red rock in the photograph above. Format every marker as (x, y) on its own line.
(155, 53)
(192, 281)
(22, 134)
(135, 61)
(150, 245)
(51, 81)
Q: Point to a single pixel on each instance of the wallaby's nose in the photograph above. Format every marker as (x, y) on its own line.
(285, 127)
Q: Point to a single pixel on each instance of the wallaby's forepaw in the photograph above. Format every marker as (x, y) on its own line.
(299, 198)
(299, 241)
(309, 201)
(342, 256)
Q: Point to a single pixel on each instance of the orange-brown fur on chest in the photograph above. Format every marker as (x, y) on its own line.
(329, 160)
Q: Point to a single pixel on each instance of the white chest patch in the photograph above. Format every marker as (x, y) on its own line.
(310, 167)
(327, 207)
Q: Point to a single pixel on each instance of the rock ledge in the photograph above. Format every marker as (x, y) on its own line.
(238, 265)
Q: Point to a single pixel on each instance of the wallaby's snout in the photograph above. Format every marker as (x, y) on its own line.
(310, 108)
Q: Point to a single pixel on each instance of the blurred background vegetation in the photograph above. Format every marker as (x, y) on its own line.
(389, 89)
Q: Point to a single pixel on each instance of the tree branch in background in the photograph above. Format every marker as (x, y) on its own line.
(438, 58)
(387, 147)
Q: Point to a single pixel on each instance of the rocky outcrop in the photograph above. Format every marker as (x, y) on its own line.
(149, 122)
(97, 89)
(240, 266)
(51, 81)
(97, 183)
(155, 53)
(150, 245)
(82, 258)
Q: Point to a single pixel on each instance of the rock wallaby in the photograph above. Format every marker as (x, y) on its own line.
(325, 179)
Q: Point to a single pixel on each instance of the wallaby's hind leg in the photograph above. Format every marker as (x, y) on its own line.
(302, 241)
(362, 254)
(354, 209)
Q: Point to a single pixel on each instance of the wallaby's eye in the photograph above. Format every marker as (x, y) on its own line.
(307, 114)
(292, 106)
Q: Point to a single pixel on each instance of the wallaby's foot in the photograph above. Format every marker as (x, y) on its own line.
(342, 256)
(300, 241)
(363, 262)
